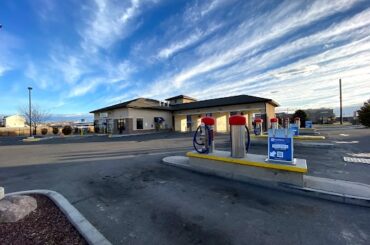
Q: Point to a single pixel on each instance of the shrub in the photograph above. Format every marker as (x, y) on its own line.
(44, 131)
(67, 130)
(364, 114)
(55, 130)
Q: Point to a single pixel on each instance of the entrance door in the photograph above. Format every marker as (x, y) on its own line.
(121, 126)
(188, 123)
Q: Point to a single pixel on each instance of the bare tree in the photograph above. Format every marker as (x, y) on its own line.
(38, 116)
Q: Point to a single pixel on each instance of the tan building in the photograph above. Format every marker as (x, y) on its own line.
(181, 113)
(15, 121)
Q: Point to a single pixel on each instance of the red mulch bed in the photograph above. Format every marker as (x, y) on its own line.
(46, 225)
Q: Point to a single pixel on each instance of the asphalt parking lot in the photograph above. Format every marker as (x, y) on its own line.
(121, 187)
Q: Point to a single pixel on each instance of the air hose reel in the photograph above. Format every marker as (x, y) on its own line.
(203, 140)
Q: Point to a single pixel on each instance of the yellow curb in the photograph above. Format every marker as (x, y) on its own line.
(249, 163)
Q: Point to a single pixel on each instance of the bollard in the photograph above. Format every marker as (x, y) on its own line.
(286, 125)
(274, 125)
(258, 122)
(297, 121)
(286, 122)
(237, 126)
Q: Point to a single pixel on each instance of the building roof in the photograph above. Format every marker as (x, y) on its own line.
(135, 103)
(145, 103)
(15, 115)
(232, 100)
(181, 96)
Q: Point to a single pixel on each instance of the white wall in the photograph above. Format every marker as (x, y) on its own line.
(243, 107)
(148, 117)
(15, 121)
(114, 114)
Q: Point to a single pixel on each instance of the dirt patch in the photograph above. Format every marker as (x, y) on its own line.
(46, 225)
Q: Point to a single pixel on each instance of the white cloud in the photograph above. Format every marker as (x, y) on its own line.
(212, 6)
(183, 43)
(70, 66)
(110, 74)
(84, 87)
(208, 51)
(9, 44)
(40, 79)
(3, 69)
(229, 49)
(175, 47)
(110, 22)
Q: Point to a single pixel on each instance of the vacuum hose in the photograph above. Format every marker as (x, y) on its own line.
(248, 142)
(196, 144)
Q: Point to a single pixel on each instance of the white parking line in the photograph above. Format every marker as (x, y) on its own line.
(356, 160)
(346, 142)
(345, 135)
(367, 155)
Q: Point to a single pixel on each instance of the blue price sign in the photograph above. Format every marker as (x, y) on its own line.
(294, 128)
(280, 149)
(308, 124)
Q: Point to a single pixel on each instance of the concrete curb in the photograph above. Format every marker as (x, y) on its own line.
(326, 192)
(53, 137)
(127, 135)
(31, 140)
(69, 136)
(83, 226)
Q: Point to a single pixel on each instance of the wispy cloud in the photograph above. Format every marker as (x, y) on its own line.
(110, 22)
(9, 45)
(118, 50)
(179, 45)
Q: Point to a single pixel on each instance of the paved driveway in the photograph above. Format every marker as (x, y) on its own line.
(123, 189)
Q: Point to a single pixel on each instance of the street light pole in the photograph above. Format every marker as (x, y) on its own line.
(30, 111)
(340, 103)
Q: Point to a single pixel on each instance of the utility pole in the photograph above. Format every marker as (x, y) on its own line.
(30, 110)
(340, 98)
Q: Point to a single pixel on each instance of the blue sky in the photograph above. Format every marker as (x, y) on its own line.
(82, 55)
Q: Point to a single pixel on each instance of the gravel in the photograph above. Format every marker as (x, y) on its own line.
(46, 225)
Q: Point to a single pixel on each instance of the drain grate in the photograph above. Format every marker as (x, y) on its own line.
(356, 160)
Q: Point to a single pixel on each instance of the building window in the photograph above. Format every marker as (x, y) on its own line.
(139, 123)
(233, 113)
